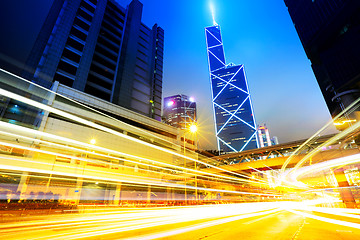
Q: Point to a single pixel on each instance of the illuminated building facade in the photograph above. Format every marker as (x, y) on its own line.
(234, 118)
(274, 140)
(103, 49)
(329, 33)
(180, 111)
(99, 149)
(264, 136)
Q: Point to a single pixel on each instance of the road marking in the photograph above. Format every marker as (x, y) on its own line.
(210, 235)
(296, 234)
(259, 219)
(343, 230)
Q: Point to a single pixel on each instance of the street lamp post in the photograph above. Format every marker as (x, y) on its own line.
(193, 129)
(185, 197)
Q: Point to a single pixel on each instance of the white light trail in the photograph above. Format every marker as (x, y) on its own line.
(105, 129)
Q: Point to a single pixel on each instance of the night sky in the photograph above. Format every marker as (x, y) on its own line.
(256, 33)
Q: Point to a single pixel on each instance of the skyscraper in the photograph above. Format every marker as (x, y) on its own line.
(234, 118)
(329, 33)
(264, 136)
(180, 111)
(103, 49)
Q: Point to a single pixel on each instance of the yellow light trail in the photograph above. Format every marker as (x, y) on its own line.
(317, 134)
(340, 135)
(101, 149)
(102, 128)
(324, 165)
(112, 177)
(103, 224)
(324, 219)
(95, 225)
(105, 156)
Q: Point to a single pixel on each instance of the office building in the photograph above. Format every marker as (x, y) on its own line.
(329, 33)
(274, 140)
(264, 136)
(234, 117)
(103, 49)
(180, 111)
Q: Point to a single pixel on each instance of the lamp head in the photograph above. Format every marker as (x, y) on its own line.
(193, 128)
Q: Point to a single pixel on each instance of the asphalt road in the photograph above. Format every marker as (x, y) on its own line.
(238, 221)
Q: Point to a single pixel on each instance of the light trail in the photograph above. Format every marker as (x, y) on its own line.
(344, 212)
(201, 226)
(323, 166)
(149, 223)
(324, 219)
(100, 224)
(112, 177)
(317, 134)
(35, 93)
(101, 149)
(102, 128)
(327, 143)
(77, 150)
(88, 160)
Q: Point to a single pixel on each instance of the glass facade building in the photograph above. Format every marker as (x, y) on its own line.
(329, 33)
(264, 136)
(233, 113)
(180, 111)
(103, 49)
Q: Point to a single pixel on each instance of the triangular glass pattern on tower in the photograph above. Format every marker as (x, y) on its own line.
(216, 54)
(233, 114)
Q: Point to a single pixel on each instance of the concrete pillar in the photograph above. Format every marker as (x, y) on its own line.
(196, 192)
(148, 195)
(185, 192)
(168, 194)
(345, 192)
(24, 180)
(117, 195)
(107, 195)
(173, 194)
(77, 193)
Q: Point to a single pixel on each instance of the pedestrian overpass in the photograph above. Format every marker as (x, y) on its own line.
(273, 157)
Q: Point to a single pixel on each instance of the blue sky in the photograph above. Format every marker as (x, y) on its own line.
(258, 34)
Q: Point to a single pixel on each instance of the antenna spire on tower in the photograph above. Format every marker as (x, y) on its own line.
(213, 13)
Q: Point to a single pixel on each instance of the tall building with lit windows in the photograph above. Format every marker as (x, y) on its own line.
(101, 48)
(234, 117)
(264, 136)
(180, 111)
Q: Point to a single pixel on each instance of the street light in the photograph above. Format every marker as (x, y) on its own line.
(193, 128)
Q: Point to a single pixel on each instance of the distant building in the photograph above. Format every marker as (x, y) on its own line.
(103, 49)
(234, 117)
(329, 32)
(264, 136)
(180, 111)
(274, 140)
